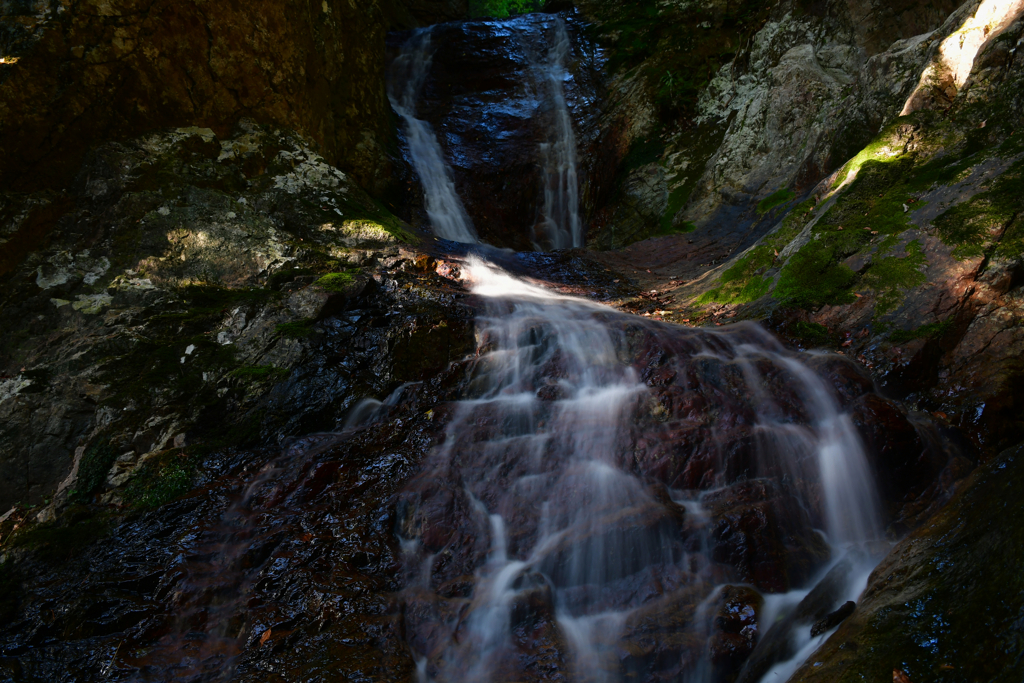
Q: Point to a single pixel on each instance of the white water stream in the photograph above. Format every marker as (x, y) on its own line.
(561, 209)
(555, 489)
(560, 226)
(542, 450)
(407, 76)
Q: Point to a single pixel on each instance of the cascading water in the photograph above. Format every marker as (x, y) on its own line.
(561, 220)
(613, 498)
(407, 76)
(540, 51)
(568, 529)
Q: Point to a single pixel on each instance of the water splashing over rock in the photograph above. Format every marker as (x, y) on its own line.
(604, 477)
(410, 69)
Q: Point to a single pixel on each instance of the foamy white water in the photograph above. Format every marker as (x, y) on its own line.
(557, 399)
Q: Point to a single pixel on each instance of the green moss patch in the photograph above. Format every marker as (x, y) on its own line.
(337, 282)
(745, 280)
(936, 329)
(815, 277)
(871, 213)
(502, 8)
(92, 469)
(777, 198)
(891, 276)
(970, 227)
(811, 334)
(161, 479)
(741, 283)
(676, 201)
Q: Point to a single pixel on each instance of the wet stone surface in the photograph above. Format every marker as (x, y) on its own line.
(486, 99)
(305, 563)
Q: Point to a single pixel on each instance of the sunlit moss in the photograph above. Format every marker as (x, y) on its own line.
(741, 283)
(878, 150)
(337, 282)
(745, 280)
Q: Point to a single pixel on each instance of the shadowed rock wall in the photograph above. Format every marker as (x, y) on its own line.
(107, 69)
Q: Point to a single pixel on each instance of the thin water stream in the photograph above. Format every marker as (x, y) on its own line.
(406, 78)
(561, 223)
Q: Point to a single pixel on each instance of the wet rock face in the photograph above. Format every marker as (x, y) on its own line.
(764, 536)
(315, 537)
(736, 626)
(758, 125)
(283, 562)
(111, 70)
(919, 613)
(907, 259)
(487, 100)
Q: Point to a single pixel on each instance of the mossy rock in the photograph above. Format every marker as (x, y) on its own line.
(337, 282)
(947, 603)
(96, 462)
(161, 479)
(777, 198)
(61, 541)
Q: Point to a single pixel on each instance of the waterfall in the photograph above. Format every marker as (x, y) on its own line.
(561, 220)
(408, 73)
(537, 488)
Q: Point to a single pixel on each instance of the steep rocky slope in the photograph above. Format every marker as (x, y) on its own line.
(921, 616)
(908, 256)
(904, 255)
(96, 71)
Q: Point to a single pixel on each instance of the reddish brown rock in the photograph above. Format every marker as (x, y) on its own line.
(735, 626)
(768, 542)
